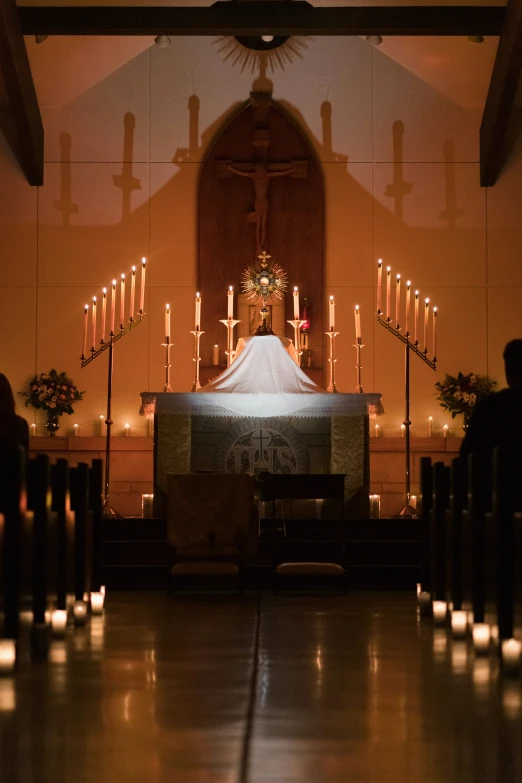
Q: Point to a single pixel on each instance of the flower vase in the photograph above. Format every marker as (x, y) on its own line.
(53, 422)
(465, 423)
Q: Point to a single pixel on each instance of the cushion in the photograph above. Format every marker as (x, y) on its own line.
(311, 569)
(205, 568)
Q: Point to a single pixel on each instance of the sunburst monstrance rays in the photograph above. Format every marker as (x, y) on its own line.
(252, 56)
(265, 281)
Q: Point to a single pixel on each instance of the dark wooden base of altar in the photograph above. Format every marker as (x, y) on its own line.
(281, 446)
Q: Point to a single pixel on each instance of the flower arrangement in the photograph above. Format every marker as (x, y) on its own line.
(53, 392)
(461, 394)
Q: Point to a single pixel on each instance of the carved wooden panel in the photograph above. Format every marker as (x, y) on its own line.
(295, 220)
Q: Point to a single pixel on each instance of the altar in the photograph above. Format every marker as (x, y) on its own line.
(208, 432)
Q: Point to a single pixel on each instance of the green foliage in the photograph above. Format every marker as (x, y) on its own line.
(460, 394)
(52, 392)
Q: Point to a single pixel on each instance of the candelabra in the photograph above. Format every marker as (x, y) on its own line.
(230, 352)
(197, 358)
(296, 323)
(332, 386)
(358, 345)
(410, 347)
(167, 345)
(109, 346)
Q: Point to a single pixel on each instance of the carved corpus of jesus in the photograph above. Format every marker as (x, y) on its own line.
(261, 176)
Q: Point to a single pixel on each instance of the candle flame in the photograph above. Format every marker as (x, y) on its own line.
(380, 262)
(230, 288)
(331, 299)
(427, 300)
(434, 311)
(104, 291)
(114, 283)
(167, 306)
(356, 307)
(197, 293)
(430, 418)
(133, 270)
(295, 288)
(122, 276)
(143, 260)
(416, 293)
(86, 308)
(398, 277)
(94, 299)
(408, 283)
(388, 268)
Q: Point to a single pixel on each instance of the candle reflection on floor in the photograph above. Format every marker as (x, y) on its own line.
(481, 676)
(459, 658)
(7, 695)
(511, 700)
(440, 644)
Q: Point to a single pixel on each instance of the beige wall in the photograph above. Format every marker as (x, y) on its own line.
(459, 244)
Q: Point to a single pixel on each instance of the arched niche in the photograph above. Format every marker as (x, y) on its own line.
(295, 220)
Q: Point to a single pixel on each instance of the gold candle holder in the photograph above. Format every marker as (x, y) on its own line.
(197, 358)
(230, 352)
(358, 345)
(332, 386)
(297, 343)
(167, 345)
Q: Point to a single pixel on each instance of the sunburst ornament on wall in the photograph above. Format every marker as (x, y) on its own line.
(264, 282)
(267, 51)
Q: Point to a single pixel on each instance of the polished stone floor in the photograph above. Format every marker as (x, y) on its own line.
(259, 689)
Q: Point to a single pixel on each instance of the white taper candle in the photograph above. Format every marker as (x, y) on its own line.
(426, 317)
(85, 327)
(296, 303)
(104, 315)
(407, 318)
(388, 291)
(198, 312)
(230, 302)
(434, 332)
(113, 306)
(357, 323)
(142, 287)
(167, 323)
(122, 301)
(93, 322)
(416, 316)
(132, 293)
(398, 301)
(379, 285)
(332, 314)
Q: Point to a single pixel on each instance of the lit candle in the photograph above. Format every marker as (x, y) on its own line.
(80, 613)
(122, 301)
(434, 333)
(403, 430)
(97, 601)
(445, 430)
(511, 649)
(424, 601)
(459, 624)
(102, 422)
(142, 288)
(147, 502)
(430, 426)
(215, 355)
(85, 326)
(58, 623)
(7, 656)
(113, 306)
(407, 318)
(379, 285)
(33, 430)
(440, 612)
(126, 430)
(167, 323)
(388, 292)
(132, 294)
(296, 303)
(198, 312)
(397, 301)
(376, 430)
(416, 317)
(332, 314)
(93, 322)
(104, 315)
(481, 638)
(357, 323)
(375, 506)
(76, 430)
(230, 302)
(413, 500)
(426, 317)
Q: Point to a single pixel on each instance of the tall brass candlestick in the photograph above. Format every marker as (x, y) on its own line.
(167, 345)
(358, 345)
(230, 352)
(297, 323)
(332, 386)
(196, 386)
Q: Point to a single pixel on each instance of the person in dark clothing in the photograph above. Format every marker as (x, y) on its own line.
(497, 419)
(14, 430)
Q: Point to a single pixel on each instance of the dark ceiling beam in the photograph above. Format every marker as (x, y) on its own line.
(258, 17)
(27, 141)
(501, 95)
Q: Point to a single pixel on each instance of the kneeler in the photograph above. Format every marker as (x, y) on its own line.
(212, 528)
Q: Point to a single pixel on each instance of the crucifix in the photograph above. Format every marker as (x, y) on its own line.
(261, 172)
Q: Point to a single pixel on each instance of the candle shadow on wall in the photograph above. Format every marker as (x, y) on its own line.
(125, 181)
(452, 212)
(65, 203)
(399, 188)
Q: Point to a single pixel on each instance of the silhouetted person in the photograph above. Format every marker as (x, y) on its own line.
(14, 430)
(497, 419)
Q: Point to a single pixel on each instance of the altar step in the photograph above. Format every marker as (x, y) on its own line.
(377, 553)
